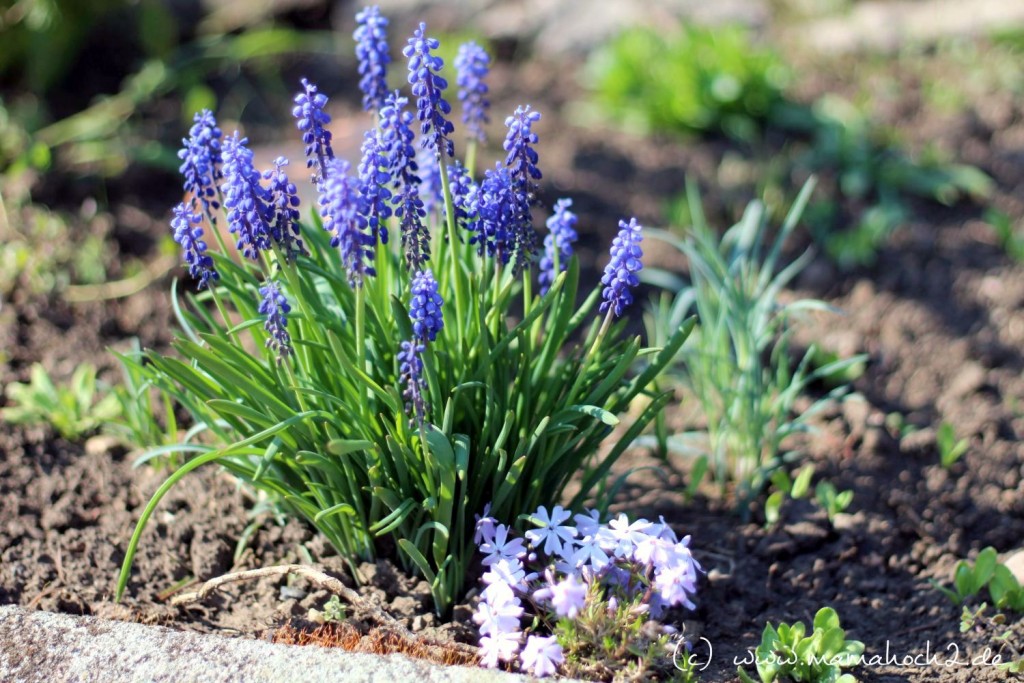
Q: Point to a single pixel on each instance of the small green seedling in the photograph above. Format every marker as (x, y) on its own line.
(72, 410)
(951, 449)
(992, 626)
(784, 485)
(969, 580)
(787, 653)
(334, 610)
(831, 500)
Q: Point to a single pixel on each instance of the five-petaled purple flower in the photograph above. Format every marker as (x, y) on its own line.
(620, 273)
(312, 119)
(188, 232)
(472, 64)
(557, 244)
(542, 655)
(428, 87)
(275, 306)
(372, 52)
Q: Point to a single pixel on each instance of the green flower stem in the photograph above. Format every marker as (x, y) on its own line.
(471, 147)
(457, 275)
(589, 356)
(360, 351)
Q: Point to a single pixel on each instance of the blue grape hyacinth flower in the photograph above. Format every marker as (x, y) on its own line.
(372, 52)
(375, 178)
(311, 121)
(341, 206)
(284, 206)
(275, 306)
(188, 232)
(201, 163)
(245, 199)
(562, 227)
(397, 137)
(425, 307)
(410, 370)
(428, 87)
(472, 64)
(620, 275)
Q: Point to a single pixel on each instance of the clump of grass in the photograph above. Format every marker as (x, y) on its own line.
(737, 364)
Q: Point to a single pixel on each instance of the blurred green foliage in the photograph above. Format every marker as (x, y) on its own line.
(715, 80)
(154, 57)
(692, 81)
(73, 409)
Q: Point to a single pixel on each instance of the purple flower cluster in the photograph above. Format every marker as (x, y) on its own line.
(620, 273)
(640, 563)
(372, 52)
(312, 119)
(397, 138)
(275, 306)
(558, 242)
(284, 208)
(201, 162)
(425, 307)
(428, 86)
(189, 234)
(375, 178)
(472, 64)
(341, 207)
(246, 200)
(410, 371)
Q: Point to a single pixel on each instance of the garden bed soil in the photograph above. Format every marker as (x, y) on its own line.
(941, 315)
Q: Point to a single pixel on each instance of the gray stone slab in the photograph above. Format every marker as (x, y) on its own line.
(43, 647)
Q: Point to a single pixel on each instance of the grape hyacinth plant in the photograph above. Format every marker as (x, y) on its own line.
(386, 391)
(584, 591)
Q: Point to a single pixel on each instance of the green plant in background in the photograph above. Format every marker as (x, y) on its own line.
(701, 80)
(693, 80)
(784, 485)
(1009, 238)
(993, 628)
(140, 404)
(789, 653)
(73, 410)
(832, 500)
(951, 449)
(390, 396)
(1004, 590)
(737, 364)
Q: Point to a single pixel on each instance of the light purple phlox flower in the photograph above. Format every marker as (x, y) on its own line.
(485, 526)
(567, 596)
(542, 655)
(502, 547)
(551, 532)
(498, 617)
(501, 647)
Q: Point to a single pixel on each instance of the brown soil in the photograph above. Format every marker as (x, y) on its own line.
(941, 315)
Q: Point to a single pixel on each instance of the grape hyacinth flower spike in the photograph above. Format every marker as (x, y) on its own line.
(372, 52)
(311, 121)
(410, 370)
(341, 207)
(245, 199)
(275, 306)
(557, 244)
(201, 163)
(284, 205)
(521, 162)
(374, 176)
(620, 275)
(428, 87)
(188, 232)
(425, 307)
(472, 64)
(397, 139)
